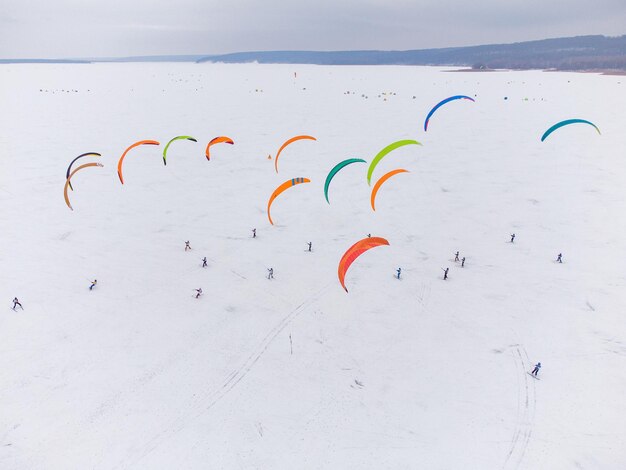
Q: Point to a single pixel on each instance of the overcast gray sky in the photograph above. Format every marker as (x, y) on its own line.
(105, 28)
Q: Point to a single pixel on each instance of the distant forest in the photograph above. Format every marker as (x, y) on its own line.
(581, 53)
(576, 53)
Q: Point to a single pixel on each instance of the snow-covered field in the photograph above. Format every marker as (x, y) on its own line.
(295, 373)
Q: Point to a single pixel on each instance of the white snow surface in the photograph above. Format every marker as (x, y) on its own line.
(295, 373)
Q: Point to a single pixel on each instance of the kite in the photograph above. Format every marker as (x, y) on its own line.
(217, 140)
(119, 164)
(286, 185)
(379, 183)
(384, 152)
(335, 170)
(290, 141)
(67, 181)
(440, 104)
(565, 123)
(180, 137)
(354, 252)
(69, 168)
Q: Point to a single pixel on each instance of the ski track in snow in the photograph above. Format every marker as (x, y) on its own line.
(206, 401)
(526, 404)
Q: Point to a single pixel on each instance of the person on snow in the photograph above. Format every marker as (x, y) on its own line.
(16, 302)
(398, 271)
(93, 284)
(456, 256)
(270, 273)
(558, 258)
(536, 369)
(187, 245)
(253, 233)
(310, 245)
(204, 265)
(512, 237)
(445, 273)
(198, 292)
(463, 262)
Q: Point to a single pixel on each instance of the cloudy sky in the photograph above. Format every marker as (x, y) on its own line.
(86, 28)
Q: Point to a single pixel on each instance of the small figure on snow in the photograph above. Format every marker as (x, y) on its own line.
(512, 237)
(369, 235)
(187, 245)
(16, 302)
(310, 245)
(198, 292)
(270, 273)
(558, 258)
(253, 233)
(445, 273)
(204, 264)
(398, 271)
(456, 256)
(93, 284)
(463, 262)
(536, 369)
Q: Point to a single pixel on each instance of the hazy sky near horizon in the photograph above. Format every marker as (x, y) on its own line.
(86, 28)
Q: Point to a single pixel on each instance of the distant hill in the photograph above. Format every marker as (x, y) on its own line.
(575, 53)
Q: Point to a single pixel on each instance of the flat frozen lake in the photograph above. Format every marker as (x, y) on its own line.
(295, 372)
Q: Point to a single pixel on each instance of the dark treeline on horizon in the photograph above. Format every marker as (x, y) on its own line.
(577, 53)
(574, 53)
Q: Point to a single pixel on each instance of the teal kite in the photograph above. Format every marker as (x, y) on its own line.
(565, 123)
(335, 170)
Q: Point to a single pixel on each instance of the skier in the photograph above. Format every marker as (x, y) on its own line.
(463, 262)
(536, 369)
(198, 292)
(445, 273)
(456, 256)
(204, 265)
(399, 270)
(17, 302)
(93, 284)
(270, 273)
(253, 233)
(369, 235)
(187, 245)
(558, 258)
(512, 237)
(310, 244)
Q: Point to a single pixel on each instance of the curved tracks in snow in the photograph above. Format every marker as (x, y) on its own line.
(526, 404)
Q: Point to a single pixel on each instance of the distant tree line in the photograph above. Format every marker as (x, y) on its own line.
(576, 53)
